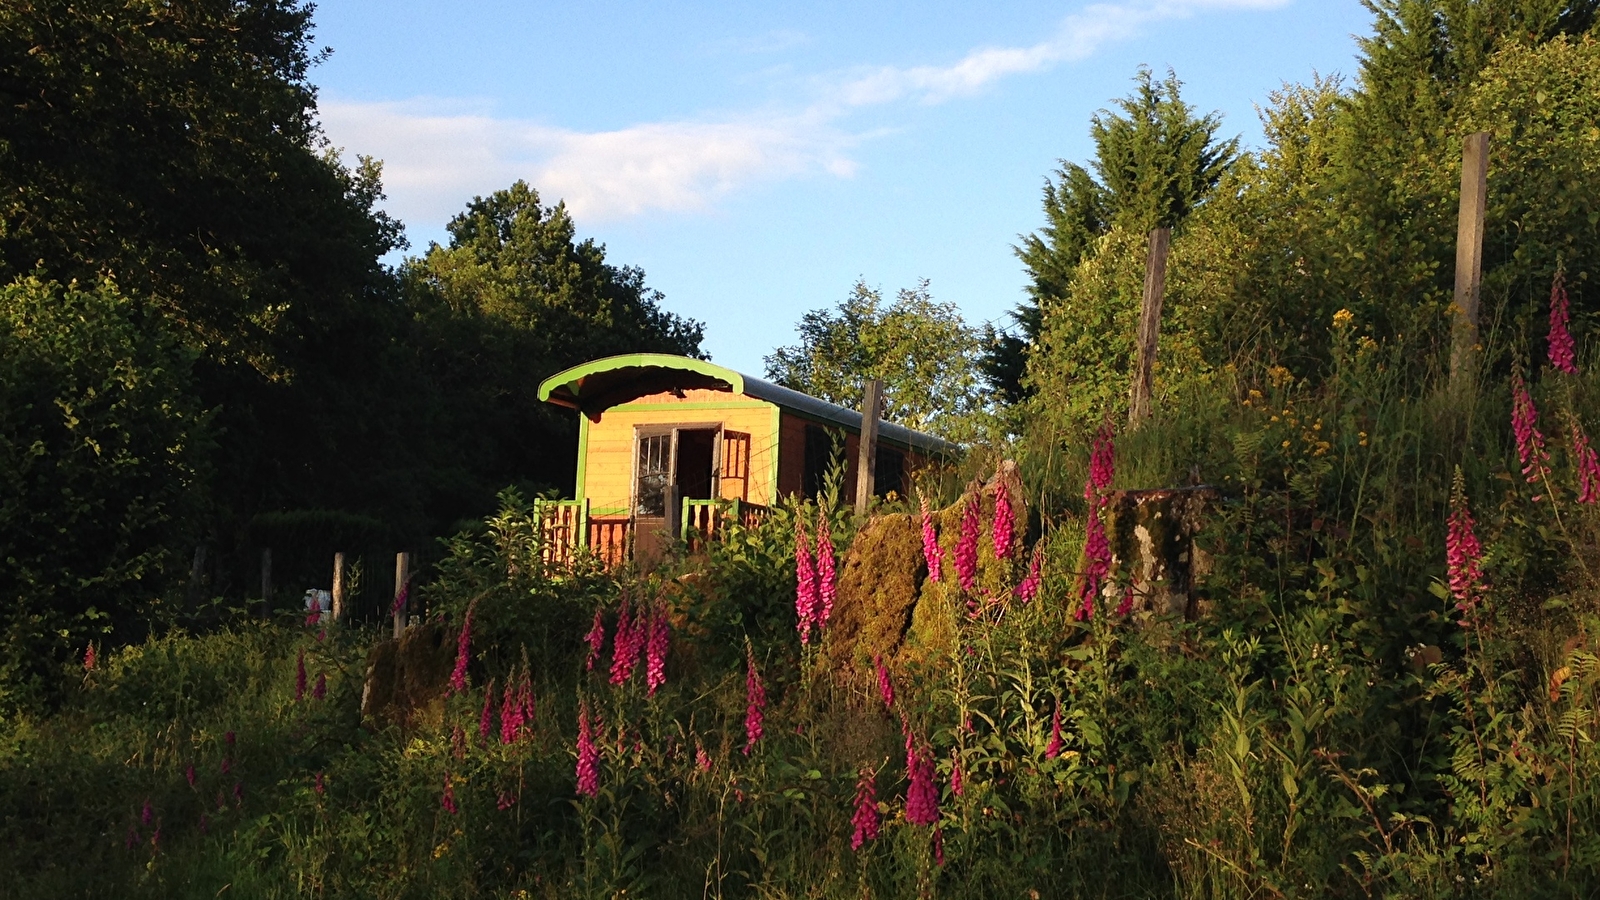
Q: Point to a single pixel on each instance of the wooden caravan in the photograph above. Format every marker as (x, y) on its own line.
(672, 447)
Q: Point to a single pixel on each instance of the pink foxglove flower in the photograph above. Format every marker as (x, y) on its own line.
(922, 797)
(1057, 743)
(702, 759)
(596, 639)
(627, 643)
(448, 799)
(932, 553)
(866, 818)
(755, 703)
(1463, 553)
(525, 700)
(189, 775)
(300, 677)
(1587, 463)
(885, 683)
(1525, 424)
(147, 814)
(88, 658)
(938, 847)
(1096, 563)
(806, 598)
(320, 689)
(957, 778)
(967, 546)
(1126, 606)
(827, 580)
(486, 718)
(1004, 524)
(1028, 588)
(1563, 350)
(588, 756)
(458, 677)
(400, 599)
(655, 673)
(1102, 466)
(510, 720)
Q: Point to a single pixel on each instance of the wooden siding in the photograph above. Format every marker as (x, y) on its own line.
(749, 465)
(792, 457)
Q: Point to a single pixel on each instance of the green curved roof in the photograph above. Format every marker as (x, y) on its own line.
(595, 386)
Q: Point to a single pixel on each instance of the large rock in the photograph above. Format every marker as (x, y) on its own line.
(878, 584)
(407, 678)
(888, 607)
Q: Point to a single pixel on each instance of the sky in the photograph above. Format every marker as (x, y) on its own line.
(757, 160)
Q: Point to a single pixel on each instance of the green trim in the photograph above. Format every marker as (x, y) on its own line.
(696, 404)
(777, 450)
(609, 511)
(582, 489)
(570, 378)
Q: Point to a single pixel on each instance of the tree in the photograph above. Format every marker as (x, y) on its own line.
(1154, 163)
(514, 298)
(102, 465)
(922, 350)
(174, 146)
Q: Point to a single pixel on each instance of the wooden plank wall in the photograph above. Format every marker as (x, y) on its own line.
(609, 466)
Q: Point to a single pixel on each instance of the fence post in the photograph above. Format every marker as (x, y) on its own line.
(197, 574)
(1155, 285)
(266, 582)
(1469, 258)
(867, 451)
(339, 608)
(402, 585)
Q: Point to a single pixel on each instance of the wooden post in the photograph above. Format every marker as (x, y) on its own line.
(339, 607)
(266, 582)
(197, 574)
(1469, 258)
(867, 450)
(674, 502)
(1155, 285)
(402, 584)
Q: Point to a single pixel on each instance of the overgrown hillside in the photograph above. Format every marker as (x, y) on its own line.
(1380, 676)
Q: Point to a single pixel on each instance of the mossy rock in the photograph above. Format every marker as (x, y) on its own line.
(877, 590)
(407, 679)
(888, 607)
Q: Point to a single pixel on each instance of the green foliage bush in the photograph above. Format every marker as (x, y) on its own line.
(103, 453)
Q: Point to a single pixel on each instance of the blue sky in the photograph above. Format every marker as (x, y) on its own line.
(756, 160)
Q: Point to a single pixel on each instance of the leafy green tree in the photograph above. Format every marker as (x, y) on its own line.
(923, 351)
(1155, 161)
(174, 145)
(514, 298)
(103, 448)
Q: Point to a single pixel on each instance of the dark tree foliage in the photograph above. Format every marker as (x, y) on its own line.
(172, 146)
(513, 299)
(1154, 162)
(102, 450)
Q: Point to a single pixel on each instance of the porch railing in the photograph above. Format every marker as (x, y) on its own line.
(567, 527)
(706, 520)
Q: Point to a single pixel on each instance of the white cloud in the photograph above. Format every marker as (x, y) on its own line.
(1078, 37)
(439, 153)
